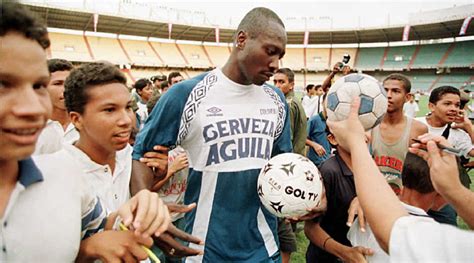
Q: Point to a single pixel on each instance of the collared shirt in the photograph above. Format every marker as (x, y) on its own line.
(340, 190)
(113, 189)
(47, 213)
(54, 136)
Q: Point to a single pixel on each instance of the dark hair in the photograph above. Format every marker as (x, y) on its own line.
(174, 74)
(319, 86)
(57, 64)
(158, 77)
(16, 18)
(287, 72)
(86, 76)
(141, 84)
(164, 84)
(257, 20)
(400, 77)
(309, 86)
(439, 92)
(416, 174)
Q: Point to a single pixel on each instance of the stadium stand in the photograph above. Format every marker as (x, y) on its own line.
(70, 47)
(170, 54)
(217, 55)
(141, 53)
(195, 55)
(109, 49)
(369, 58)
(461, 56)
(457, 81)
(294, 58)
(430, 55)
(398, 58)
(317, 58)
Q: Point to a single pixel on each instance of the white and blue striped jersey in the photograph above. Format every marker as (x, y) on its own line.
(230, 131)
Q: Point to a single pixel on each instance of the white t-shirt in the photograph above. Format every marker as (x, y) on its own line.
(457, 137)
(142, 113)
(367, 238)
(310, 105)
(420, 239)
(410, 109)
(54, 136)
(113, 190)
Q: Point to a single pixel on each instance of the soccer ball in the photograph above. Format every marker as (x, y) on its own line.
(289, 184)
(373, 103)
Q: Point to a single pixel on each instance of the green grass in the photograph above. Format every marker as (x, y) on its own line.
(302, 242)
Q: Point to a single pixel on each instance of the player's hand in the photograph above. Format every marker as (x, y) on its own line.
(443, 166)
(158, 160)
(316, 211)
(337, 67)
(462, 122)
(175, 208)
(146, 213)
(179, 163)
(356, 209)
(113, 246)
(171, 247)
(320, 151)
(356, 254)
(340, 129)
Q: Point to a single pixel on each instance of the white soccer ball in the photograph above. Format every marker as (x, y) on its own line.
(373, 104)
(289, 184)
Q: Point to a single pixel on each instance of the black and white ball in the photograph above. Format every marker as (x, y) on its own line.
(289, 184)
(373, 104)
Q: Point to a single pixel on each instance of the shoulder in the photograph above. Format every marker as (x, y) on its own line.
(330, 167)
(418, 127)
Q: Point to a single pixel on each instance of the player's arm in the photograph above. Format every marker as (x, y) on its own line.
(327, 82)
(381, 207)
(318, 236)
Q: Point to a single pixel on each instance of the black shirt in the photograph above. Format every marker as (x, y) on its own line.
(340, 190)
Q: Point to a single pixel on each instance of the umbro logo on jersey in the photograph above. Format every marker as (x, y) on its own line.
(214, 111)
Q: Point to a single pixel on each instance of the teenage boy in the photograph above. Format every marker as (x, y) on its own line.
(39, 204)
(59, 129)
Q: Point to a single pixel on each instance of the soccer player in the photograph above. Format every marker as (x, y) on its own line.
(230, 123)
(390, 139)
(59, 129)
(174, 77)
(313, 100)
(44, 210)
(406, 238)
(410, 108)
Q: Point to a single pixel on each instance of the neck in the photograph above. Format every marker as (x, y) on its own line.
(233, 72)
(61, 116)
(345, 156)
(394, 117)
(433, 121)
(9, 175)
(414, 198)
(97, 153)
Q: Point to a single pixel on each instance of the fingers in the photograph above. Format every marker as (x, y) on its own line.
(141, 202)
(365, 251)
(166, 243)
(137, 251)
(177, 233)
(354, 113)
(167, 219)
(160, 148)
(175, 208)
(361, 218)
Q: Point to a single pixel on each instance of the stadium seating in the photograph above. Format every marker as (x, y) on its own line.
(195, 56)
(108, 49)
(453, 80)
(430, 55)
(70, 47)
(141, 53)
(293, 59)
(398, 58)
(369, 58)
(170, 54)
(422, 82)
(461, 56)
(218, 55)
(317, 59)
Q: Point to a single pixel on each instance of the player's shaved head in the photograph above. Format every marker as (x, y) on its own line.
(257, 20)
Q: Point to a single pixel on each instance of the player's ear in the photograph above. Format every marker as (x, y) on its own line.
(332, 140)
(76, 119)
(241, 39)
(431, 106)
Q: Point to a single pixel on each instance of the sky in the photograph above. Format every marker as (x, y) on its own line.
(297, 15)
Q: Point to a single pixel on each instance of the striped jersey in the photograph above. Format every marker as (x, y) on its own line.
(230, 131)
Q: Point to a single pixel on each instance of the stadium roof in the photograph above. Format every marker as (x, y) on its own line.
(83, 21)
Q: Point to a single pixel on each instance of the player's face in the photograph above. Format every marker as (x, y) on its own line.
(56, 89)
(24, 101)
(176, 79)
(281, 81)
(396, 95)
(319, 91)
(447, 108)
(107, 121)
(258, 57)
(146, 92)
